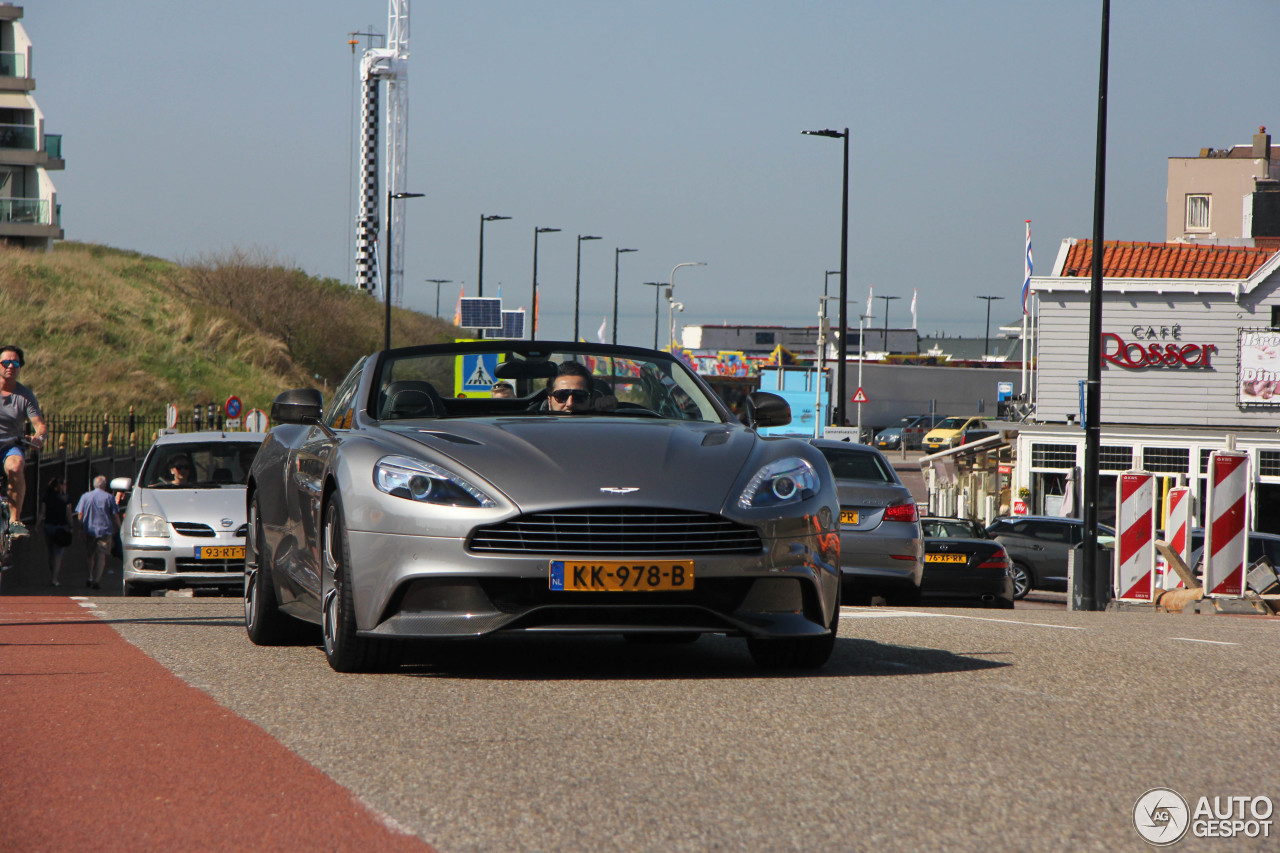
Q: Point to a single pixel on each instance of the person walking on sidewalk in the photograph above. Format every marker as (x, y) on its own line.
(17, 406)
(55, 521)
(98, 517)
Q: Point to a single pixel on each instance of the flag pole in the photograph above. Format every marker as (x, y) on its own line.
(1026, 290)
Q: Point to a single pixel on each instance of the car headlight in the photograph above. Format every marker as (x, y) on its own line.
(147, 526)
(781, 482)
(422, 481)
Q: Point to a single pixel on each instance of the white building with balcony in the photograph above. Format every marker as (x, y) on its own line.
(29, 212)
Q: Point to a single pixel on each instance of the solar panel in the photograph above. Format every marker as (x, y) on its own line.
(481, 313)
(512, 326)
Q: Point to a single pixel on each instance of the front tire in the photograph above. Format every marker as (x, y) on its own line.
(343, 648)
(795, 652)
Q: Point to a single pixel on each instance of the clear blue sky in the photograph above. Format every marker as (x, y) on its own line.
(669, 127)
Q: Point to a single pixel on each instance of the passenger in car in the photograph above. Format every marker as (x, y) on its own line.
(502, 389)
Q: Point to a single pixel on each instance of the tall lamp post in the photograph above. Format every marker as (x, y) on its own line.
(386, 277)
(887, 300)
(617, 252)
(671, 305)
(480, 271)
(655, 285)
(827, 281)
(862, 352)
(533, 327)
(844, 267)
(986, 346)
(437, 282)
(577, 283)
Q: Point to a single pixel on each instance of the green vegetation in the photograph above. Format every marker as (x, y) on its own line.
(106, 329)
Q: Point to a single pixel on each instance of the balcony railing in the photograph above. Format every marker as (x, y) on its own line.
(25, 211)
(13, 64)
(53, 145)
(18, 136)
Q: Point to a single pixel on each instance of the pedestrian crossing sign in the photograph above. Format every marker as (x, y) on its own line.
(476, 373)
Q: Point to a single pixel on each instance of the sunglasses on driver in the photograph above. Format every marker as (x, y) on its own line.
(562, 395)
(11, 362)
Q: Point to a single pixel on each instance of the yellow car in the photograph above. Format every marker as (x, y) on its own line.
(947, 433)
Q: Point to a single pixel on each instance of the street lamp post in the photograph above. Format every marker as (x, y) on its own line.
(844, 267)
(986, 346)
(887, 300)
(437, 282)
(826, 281)
(577, 283)
(671, 305)
(617, 252)
(862, 352)
(533, 327)
(480, 271)
(655, 285)
(386, 276)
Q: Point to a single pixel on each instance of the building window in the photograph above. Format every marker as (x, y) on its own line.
(1115, 458)
(1198, 212)
(764, 338)
(1275, 316)
(1166, 460)
(1269, 463)
(1053, 455)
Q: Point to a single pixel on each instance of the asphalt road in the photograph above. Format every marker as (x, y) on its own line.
(930, 729)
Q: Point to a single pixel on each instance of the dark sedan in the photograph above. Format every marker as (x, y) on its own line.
(961, 564)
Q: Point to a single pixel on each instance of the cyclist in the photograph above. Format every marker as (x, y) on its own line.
(17, 406)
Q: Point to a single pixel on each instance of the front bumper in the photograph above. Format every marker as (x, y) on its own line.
(432, 587)
(173, 563)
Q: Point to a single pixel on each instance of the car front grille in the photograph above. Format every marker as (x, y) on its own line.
(208, 566)
(630, 531)
(192, 528)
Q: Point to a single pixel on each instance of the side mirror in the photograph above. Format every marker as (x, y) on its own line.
(300, 406)
(121, 484)
(767, 410)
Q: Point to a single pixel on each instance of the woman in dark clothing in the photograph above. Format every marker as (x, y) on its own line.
(55, 515)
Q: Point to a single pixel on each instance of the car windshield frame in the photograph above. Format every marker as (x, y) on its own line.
(211, 469)
(632, 382)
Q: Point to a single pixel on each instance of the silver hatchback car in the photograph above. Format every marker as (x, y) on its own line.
(184, 525)
(881, 543)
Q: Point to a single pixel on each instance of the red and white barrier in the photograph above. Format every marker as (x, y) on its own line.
(1177, 530)
(1135, 555)
(1225, 540)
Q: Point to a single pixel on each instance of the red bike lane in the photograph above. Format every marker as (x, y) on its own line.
(102, 748)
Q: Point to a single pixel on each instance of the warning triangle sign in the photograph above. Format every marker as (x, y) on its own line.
(860, 396)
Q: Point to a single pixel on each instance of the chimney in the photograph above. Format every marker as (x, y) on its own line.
(1262, 149)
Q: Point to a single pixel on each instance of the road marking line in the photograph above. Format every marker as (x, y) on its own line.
(1213, 642)
(976, 618)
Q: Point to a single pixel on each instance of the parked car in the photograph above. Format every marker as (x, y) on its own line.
(1038, 546)
(414, 505)
(948, 433)
(1261, 545)
(962, 563)
(881, 547)
(186, 528)
(908, 431)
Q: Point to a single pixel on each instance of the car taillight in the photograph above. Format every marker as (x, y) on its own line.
(999, 560)
(902, 512)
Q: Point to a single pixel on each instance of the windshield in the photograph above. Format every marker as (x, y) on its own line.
(503, 379)
(948, 529)
(858, 465)
(952, 423)
(198, 465)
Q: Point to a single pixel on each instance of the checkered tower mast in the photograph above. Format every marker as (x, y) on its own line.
(390, 63)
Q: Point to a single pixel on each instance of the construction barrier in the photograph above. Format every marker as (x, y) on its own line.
(1225, 540)
(1177, 532)
(1135, 555)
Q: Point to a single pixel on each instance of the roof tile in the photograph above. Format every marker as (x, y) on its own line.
(1122, 259)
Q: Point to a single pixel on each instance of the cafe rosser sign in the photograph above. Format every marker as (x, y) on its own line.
(1154, 346)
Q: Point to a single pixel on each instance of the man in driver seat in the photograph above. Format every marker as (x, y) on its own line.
(571, 389)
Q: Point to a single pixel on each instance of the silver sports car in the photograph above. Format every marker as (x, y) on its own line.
(460, 490)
